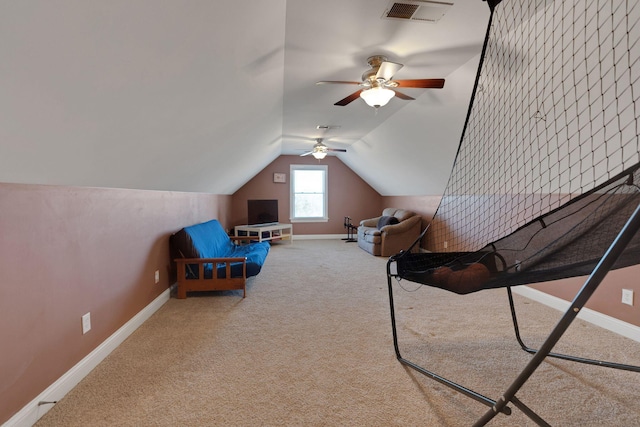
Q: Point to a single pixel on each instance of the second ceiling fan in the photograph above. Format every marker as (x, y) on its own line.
(378, 86)
(320, 150)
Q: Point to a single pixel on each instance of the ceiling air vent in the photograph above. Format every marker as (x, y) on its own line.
(416, 10)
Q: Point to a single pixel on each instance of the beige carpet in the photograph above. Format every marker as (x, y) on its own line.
(311, 346)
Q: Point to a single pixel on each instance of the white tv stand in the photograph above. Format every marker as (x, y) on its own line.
(263, 233)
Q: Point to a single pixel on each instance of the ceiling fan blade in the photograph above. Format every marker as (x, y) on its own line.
(339, 82)
(403, 96)
(387, 70)
(349, 99)
(422, 83)
(342, 150)
(306, 154)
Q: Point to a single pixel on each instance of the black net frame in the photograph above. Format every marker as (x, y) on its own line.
(566, 242)
(546, 171)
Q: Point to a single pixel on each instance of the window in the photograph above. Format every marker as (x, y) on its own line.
(309, 193)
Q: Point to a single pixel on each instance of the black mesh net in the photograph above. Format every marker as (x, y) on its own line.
(546, 173)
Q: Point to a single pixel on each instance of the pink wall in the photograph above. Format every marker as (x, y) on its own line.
(607, 298)
(348, 194)
(66, 251)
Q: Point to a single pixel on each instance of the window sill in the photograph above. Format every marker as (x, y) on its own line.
(293, 220)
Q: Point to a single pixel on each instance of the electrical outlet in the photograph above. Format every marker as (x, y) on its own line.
(86, 323)
(627, 296)
(445, 244)
(157, 276)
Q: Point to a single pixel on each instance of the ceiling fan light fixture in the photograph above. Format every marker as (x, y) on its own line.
(319, 154)
(377, 96)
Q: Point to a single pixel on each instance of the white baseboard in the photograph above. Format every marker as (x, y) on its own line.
(33, 411)
(602, 320)
(318, 236)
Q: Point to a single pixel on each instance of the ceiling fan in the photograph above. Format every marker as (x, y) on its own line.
(378, 86)
(320, 150)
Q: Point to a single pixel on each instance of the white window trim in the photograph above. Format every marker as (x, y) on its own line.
(325, 217)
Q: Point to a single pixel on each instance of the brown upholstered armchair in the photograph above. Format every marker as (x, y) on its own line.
(388, 234)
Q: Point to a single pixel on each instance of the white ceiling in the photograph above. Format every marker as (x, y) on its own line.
(201, 95)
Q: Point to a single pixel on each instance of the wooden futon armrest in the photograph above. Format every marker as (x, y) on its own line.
(213, 283)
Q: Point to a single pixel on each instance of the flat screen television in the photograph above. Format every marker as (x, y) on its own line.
(262, 212)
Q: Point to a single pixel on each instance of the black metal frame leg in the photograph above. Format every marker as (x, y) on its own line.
(600, 271)
(509, 396)
(460, 388)
(588, 361)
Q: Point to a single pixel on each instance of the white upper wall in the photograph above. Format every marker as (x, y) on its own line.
(202, 95)
(144, 94)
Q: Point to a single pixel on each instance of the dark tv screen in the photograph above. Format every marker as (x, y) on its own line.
(262, 212)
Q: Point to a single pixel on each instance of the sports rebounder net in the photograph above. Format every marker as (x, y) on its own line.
(546, 173)
(546, 180)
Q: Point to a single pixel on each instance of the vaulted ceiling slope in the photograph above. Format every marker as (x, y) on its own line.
(201, 95)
